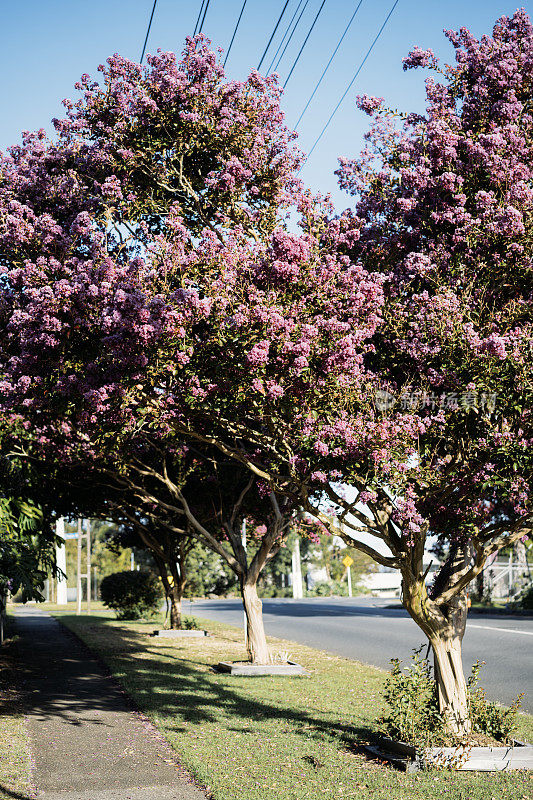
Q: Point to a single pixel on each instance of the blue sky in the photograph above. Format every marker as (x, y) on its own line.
(47, 45)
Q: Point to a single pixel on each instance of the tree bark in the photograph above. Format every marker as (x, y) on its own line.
(256, 643)
(445, 633)
(451, 683)
(175, 610)
(444, 625)
(173, 590)
(480, 587)
(179, 581)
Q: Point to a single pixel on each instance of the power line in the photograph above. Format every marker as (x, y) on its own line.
(148, 31)
(199, 17)
(235, 31)
(203, 18)
(347, 28)
(290, 37)
(280, 45)
(326, 126)
(305, 42)
(273, 34)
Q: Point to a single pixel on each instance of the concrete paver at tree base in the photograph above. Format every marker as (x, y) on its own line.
(87, 742)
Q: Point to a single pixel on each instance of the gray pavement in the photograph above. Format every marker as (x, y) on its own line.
(87, 741)
(363, 628)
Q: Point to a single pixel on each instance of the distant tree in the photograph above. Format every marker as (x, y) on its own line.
(169, 552)
(328, 554)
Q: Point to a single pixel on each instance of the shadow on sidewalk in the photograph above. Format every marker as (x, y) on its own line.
(177, 688)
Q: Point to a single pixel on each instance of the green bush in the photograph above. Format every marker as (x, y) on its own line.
(327, 589)
(413, 707)
(274, 591)
(321, 589)
(413, 714)
(189, 624)
(132, 594)
(525, 600)
(487, 717)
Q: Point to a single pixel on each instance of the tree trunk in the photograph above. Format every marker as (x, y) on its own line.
(175, 609)
(256, 643)
(177, 591)
(444, 626)
(480, 587)
(451, 683)
(173, 591)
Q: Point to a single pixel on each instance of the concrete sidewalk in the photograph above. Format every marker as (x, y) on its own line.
(87, 742)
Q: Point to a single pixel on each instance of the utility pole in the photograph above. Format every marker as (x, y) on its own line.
(78, 570)
(297, 587)
(243, 542)
(87, 573)
(88, 529)
(61, 563)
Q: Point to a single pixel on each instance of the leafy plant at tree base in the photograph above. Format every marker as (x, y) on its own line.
(132, 594)
(190, 624)
(487, 717)
(413, 714)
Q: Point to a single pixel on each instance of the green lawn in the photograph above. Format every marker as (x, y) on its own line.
(15, 757)
(273, 738)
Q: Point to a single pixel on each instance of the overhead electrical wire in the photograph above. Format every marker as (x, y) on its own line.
(280, 45)
(148, 32)
(347, 28)
(273, 34)
(290, 37)
(199, 18)
(203, 18)
(360, 67)
(235, 31)
(305, 42)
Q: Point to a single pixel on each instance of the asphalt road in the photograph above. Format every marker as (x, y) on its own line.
(363, 628)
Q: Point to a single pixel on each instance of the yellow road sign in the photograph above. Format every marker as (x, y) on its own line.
(347, 561)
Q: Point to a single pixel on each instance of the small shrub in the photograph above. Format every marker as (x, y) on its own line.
(413, 713)
(525, 600)
(487, 717)
(281, 657)
(328, 589)
(275, 591)
(189, 624)
(132, 594)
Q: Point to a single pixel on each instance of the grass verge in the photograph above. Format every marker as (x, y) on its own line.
(273, 738)
(15, 754)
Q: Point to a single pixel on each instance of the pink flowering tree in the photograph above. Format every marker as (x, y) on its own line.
(159, 198)
(444, 210)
